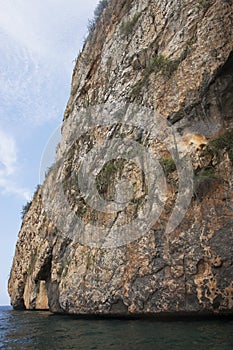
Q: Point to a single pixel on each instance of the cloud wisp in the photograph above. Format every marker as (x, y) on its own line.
(8, 167)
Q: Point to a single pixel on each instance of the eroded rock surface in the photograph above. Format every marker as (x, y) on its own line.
(175, 59)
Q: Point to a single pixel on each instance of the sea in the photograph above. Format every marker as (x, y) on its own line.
(43, 330)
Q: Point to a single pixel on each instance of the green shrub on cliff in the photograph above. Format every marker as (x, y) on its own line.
(110, 169)
(166, 66)
(127, 27)
(97, 13)
(25, 209)
(204, 180)
(223, 142)
(100, 7)
(168, 165)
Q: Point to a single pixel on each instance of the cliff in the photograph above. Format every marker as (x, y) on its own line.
(135, 216)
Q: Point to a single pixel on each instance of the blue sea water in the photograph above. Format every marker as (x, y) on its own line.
(42, 330)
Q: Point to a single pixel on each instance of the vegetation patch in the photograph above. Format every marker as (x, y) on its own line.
(25, 209)
(205, 4)
(82, 209)
(136, 89)
(162, 64)
(110, 169)
(97, 13)
(168, 165)
(224, 142)
(204, 180)
(127, 27)
(158, 64)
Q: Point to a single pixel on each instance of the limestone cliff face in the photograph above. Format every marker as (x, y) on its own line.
(172, 60)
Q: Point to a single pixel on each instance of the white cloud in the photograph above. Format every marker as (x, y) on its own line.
(46, 28)
(8, 166)
(7, 153)
(39, 40)
(10, 188)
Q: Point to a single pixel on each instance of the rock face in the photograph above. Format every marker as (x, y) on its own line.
(172, 60)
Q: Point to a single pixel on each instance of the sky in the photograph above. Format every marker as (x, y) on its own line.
(39, 41)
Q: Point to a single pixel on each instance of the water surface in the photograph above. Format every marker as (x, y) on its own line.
(42, 330)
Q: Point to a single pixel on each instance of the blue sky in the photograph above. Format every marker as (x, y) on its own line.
(39, 41)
